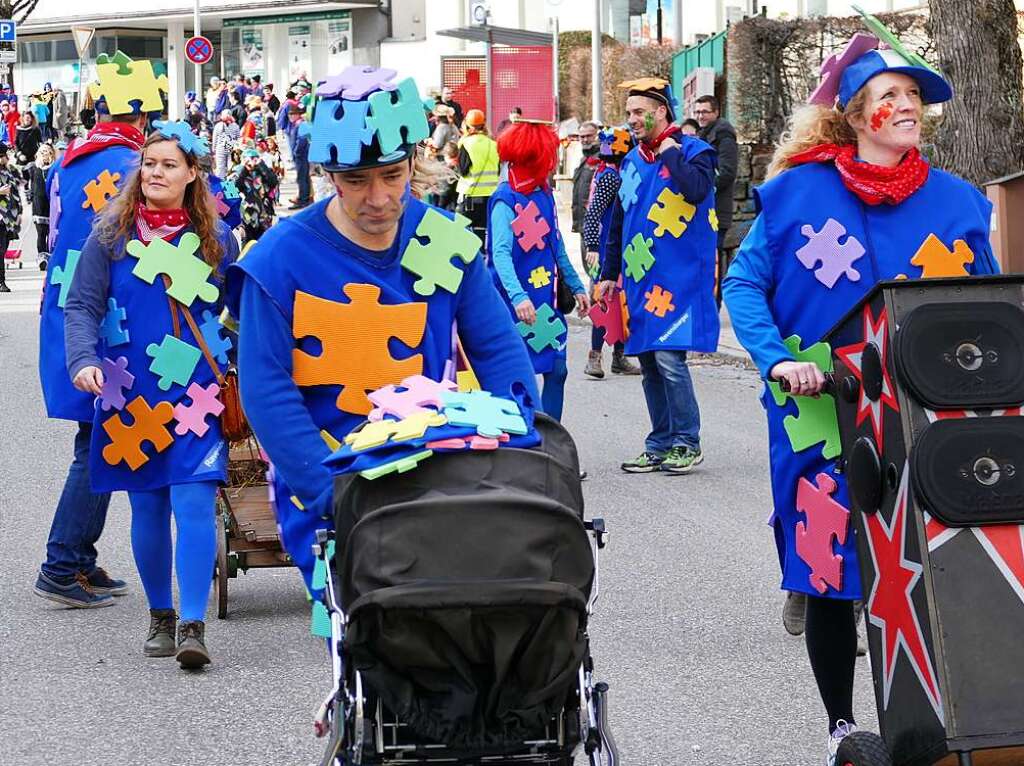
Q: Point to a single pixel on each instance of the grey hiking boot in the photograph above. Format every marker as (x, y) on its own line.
(680, 460)
(160, 640)
(644, 463)
(192, 653)
(794, 613)
(593, 368)
(622, 366)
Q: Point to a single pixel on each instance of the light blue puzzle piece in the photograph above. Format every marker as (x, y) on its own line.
(346, 134)
(174, 361)
(230, 190)
(321, 622)
(490, 415)
(629, 190)
(210, 330)
(389, 118)
(110, 327)
(180, 131)
(63, 276)
(320, 569)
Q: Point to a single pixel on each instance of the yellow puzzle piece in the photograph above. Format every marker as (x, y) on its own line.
(381, 431)
(120, 89)
(672, 213)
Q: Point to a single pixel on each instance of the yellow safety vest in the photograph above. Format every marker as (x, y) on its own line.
(482, 179)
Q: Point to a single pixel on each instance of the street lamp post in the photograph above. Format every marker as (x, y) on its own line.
(195, 33)
(596, 78)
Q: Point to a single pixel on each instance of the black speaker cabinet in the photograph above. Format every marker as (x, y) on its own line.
(929, 378)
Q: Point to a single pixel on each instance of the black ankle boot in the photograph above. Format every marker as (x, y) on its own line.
(160, 641)
(192, 653)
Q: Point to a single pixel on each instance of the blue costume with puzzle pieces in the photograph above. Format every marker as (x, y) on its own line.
(813, 252)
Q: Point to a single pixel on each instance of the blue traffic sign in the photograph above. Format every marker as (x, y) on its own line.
(8, 31)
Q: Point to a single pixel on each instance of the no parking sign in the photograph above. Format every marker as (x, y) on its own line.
(198, 49)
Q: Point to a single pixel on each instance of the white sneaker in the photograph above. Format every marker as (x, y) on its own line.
(842, 729)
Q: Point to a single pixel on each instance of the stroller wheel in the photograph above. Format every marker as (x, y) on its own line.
(863, 748)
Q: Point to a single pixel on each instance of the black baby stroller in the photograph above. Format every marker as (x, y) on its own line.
(459, 595)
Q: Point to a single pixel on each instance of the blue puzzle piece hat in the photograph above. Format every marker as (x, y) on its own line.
(365, 118)
(180, 131)
(934, 88)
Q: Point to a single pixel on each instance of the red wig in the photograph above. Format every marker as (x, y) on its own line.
(531, 148)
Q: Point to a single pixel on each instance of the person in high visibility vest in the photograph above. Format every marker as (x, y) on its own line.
(478, 168)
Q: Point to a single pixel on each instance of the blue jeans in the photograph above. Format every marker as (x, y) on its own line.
(302, 177)
(79, 518)
(671, 401)
(552, 394)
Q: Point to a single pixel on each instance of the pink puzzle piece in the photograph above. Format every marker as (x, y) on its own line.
(116, 380)
(827, 520)
(530, 227)
(832, 68)
(607, 313)
(193, 417)
(836, 258)
(415, 394)
(470, 442)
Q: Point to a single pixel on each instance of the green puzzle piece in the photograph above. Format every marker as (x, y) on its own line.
(395, 111)
(638, 257)
(816, 419)
(188, 274)
(174, 361)
(119, 58)
(397, 466)
(432, 263)
(321, 622)
(63, 276)
(545, 331)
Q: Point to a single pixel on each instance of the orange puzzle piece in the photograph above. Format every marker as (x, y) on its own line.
(937, 261)
(100, 189)
(354, 337)
(148, 426)
(659, 301)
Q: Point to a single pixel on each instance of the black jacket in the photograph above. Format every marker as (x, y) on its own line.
(721, 135)
(581, 179)
(36, 177)
(27, 142)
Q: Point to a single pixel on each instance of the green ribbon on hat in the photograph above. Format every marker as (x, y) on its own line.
(887, 36)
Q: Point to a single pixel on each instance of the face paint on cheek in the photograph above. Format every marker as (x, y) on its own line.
(648, 121)
(881, 114)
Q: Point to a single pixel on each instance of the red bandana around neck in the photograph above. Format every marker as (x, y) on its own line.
(524, 185)
(873, 184)
(649, 149)
(104, 134)
(159, 223)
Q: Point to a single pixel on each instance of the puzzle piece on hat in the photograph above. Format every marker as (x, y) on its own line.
(398, 116)
(671, 212)
(63, 275)
(827, 521)
(355, 339)
(630, 186)
(836, 258)
(116, 380)
(396, 466)
(148, 425)
(832, 68)
(119, 88)
(192, 417)
(339, 139)
(936, 261)
(99, 190)
(490, 415)
(529, 226)
(659, 301)
(211, 329)
(713, 219)
(230, 189)
(638, 257)
(607, 313)
(415, 394)
(121, 60)
(432, 263)
(110, 328)
(540, 277)
(816, 421)
(379, 432)
(188, 274)
(190, 143)
(546, 330)
(356, 81)
(174, 361)
(621, 143)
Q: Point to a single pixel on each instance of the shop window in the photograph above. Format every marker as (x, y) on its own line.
(33, 52)
(141, 47)
(64, 50)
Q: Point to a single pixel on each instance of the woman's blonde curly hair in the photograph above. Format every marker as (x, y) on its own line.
(811, 125)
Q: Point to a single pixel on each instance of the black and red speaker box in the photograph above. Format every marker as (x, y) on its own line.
(929, 378)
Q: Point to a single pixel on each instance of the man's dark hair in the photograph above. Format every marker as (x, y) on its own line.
(691, 122)
(257, 78)
(710, 101)
(517, 109)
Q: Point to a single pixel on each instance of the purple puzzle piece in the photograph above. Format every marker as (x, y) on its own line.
(193, 417)
(832, 68)
(416, 394)
(836, 258)
(116, 380)
(356, 81)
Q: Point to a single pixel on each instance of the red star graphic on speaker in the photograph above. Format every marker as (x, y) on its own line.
(877, 333)
(890, 605)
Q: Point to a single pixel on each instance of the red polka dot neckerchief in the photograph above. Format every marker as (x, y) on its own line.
(873, 184)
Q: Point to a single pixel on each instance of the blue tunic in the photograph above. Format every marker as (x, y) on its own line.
(777, 288)
(72, 223)
(670, 290)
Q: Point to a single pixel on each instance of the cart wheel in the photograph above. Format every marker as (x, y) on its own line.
(863, 748)
(221, 573)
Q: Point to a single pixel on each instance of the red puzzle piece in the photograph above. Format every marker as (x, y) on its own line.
(826, 520)
(607, 313)
(530, 227)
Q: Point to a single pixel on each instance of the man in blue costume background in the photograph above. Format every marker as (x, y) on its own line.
(79, 186)
(355, 292)
(662, 241)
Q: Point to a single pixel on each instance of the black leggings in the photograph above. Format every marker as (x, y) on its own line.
(832, 647)
(5, 240)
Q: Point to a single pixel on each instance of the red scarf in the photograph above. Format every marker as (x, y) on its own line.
(525, 185)
(873, 184)
(104, 134)
(649, 149)
(165, 224)
(593, 161)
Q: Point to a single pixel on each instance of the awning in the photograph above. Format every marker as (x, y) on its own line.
(499, 35)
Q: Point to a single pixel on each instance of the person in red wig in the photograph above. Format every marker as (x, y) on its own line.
(527, 255)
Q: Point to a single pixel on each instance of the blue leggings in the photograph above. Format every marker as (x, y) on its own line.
(552, 393)
(196, 520)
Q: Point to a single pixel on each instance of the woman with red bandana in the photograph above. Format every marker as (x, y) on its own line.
(847, 182)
